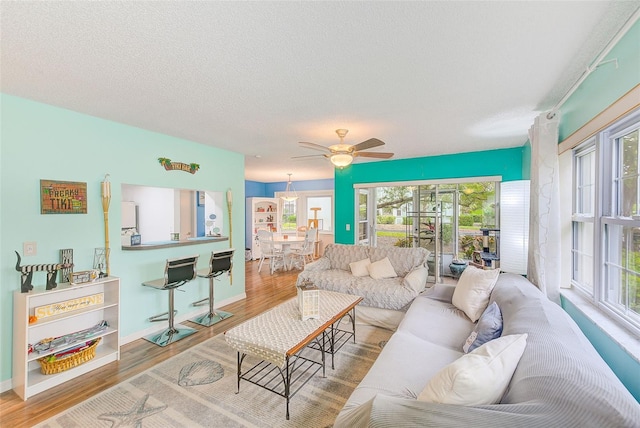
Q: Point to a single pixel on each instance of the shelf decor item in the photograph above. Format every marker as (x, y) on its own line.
(66, 258)
(308, 301)
(84, 276)
(27, 274)
(70, 305)
(106, 200)
(69, 358)
(100, 261)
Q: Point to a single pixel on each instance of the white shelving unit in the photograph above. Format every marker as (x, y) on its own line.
(262, 213)
(27, 377)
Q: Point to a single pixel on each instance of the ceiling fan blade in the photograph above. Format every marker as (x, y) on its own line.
(368, 144)
(307, 156)
(313, 146)
(379, 155)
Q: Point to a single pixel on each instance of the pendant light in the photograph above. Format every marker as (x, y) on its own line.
(290, 193)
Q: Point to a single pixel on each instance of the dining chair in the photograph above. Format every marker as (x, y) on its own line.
(301, 231)
(269, 250)
(305, 252)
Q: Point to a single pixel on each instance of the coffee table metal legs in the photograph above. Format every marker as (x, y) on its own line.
(264, 373)
(337, 334)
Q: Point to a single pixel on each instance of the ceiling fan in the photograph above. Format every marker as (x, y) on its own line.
(342, 154)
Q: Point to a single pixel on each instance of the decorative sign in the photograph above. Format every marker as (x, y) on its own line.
(63, 197)
(69, 305)
(66, 259)
(178, 166)
(84, 276)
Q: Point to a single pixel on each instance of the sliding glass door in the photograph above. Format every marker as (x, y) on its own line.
(444, 218)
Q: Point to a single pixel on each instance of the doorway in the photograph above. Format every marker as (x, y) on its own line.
(445, 218)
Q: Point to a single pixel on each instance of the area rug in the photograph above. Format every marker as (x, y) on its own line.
(197, 388)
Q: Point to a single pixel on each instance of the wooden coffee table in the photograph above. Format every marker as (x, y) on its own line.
(278, 336)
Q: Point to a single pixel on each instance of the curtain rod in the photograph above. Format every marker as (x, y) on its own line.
(597, 62)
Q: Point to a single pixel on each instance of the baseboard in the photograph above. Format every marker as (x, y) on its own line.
(160, 326)
(5, 385)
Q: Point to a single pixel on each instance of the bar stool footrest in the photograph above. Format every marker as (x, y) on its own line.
(164, 314)
(201, 302)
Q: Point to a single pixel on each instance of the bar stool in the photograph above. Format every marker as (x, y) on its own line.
(221, 262)
(177, 272)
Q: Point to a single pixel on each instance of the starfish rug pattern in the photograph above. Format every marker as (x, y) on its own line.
(133, 418)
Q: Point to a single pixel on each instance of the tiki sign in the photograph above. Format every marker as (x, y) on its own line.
(170, 165)
(63, 197)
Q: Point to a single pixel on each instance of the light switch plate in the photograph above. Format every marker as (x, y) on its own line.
(348, 227)
(29, 248)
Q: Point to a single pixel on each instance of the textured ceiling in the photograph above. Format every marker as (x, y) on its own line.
(257, 77)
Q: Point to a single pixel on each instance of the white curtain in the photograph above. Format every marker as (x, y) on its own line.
(543, 267)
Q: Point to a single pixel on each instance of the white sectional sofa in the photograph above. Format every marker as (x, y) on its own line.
(386, 298)
(559, 381)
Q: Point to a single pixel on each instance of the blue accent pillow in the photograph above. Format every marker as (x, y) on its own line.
(489, 327)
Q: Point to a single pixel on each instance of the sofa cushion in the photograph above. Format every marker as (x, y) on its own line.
(341, 255)
(387, 293)
(473, 291)
(489, 327)
(360, 268)
(437, 322)
(480, 377)
(416, 279)
(331, 280)
(403, 260)
(401, 369)
(381, 269)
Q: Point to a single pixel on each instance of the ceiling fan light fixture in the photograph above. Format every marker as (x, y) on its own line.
(341, 159)
(289, 193)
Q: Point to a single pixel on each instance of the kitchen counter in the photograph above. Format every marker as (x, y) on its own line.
(168, 244)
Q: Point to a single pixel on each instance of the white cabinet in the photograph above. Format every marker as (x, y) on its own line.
(104, 294)
(262, 213)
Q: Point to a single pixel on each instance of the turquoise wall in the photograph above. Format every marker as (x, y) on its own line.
(39, 141)
(623, 365)
(504, 162)
(604, 85)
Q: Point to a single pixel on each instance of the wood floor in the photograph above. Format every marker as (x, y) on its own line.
(263, 291)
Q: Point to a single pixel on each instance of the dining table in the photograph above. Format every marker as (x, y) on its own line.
(285, 241)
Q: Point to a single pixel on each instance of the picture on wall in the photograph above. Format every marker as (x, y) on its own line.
(63, 197)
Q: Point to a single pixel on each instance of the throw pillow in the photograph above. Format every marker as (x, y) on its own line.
(416, 279)
(473, 290)
(479, 377)
(489, 327)
(382, 269)
(360, 268)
